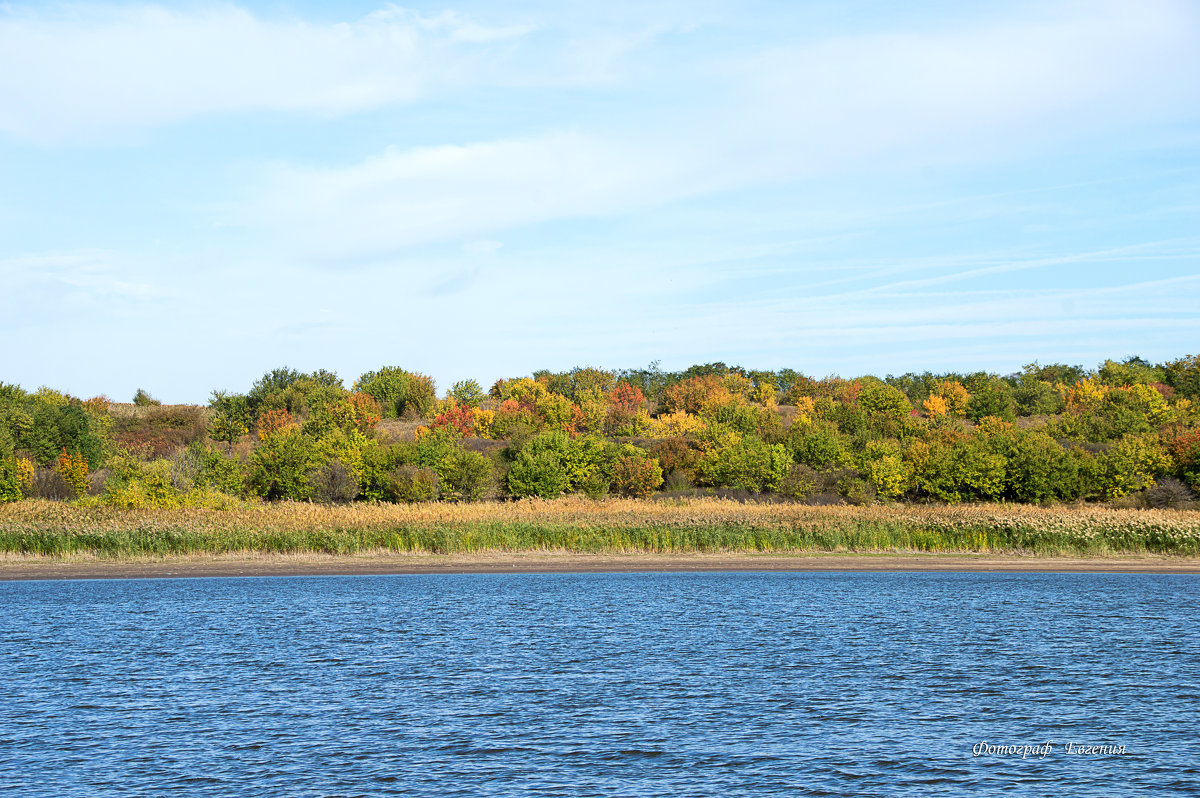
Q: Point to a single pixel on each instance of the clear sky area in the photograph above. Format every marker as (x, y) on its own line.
(194, 193)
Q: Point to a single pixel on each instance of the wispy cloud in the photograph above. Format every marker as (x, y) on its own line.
(83, 72)
(94, 273)
(851, 106)
(407, 197)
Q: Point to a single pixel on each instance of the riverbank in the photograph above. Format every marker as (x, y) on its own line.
(615, 527)
(32, 568)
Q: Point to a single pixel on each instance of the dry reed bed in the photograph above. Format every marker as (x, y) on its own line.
(575, 524)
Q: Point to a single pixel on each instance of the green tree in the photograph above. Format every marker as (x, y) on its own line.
(467, 392)
(466, 476)
(231, 417)
(991, 397)
(400, 393)
(281, 465)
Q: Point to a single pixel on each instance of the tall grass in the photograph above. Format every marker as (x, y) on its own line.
(579, 525)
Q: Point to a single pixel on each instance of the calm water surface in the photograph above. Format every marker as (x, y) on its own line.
(600, 684)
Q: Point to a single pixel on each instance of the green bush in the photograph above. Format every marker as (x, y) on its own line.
(466, 476)
(884, 469)
(799, 483)
(281, 465)
(144, 399)
(411, 484)
(855, 490)
(746, 418)
(538, 473)
(991, 397)
(1034, 397)
(400, 393)
(1133, 371)
(1129, 465)
(579, 457)
(54, 426)
(956, 473)
(378, 463)
(745, 463)
(10, 481)
(1040, 470)
(881, 399)
(231, 417)
(816, 445)
(220, 472)
(1184, 376)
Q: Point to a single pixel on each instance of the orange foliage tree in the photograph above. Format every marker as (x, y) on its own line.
(74, 470)
(271, 421)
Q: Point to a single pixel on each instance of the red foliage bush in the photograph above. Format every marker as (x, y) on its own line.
(367, 412)
(688, 395)
(1184, 448)
(676, 454)
(459, 416)
(626, 398)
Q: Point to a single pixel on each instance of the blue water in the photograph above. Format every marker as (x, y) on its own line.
(600, 684)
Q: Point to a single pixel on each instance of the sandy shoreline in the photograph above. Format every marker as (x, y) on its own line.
(543, 562)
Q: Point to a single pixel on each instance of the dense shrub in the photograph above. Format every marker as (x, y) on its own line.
(219, 472)
(513, 422)
(676, 454)
(231, 417)
(880, 399)
(799, 483)
(816, 445)
(636, 476)
(460, 416)
(746, 463)
(538, 473)
(400, 393)
(1035, 397)
(1184, 376)
(991, 397)
(280, 466)
(10, 480)
(1040, 470)
(466, 476)
(54, 425)
(333, 483)
(1169, 493)
(410, 484)
(884, 469)
(74, 470)
(1129, 465)
(691, 394)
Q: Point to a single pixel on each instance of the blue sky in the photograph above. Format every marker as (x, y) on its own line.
(192, 194)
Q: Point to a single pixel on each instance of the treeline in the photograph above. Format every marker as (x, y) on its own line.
(1126, 431)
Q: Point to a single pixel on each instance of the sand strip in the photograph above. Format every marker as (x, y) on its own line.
(542, 562)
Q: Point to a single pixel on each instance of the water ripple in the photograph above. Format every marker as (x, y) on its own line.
(594, 684)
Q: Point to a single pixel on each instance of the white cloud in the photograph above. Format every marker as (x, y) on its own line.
(869, 104)
(408, 197)
(88, 71)
(94, 273)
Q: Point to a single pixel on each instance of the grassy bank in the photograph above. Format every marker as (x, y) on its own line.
(43, 528)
